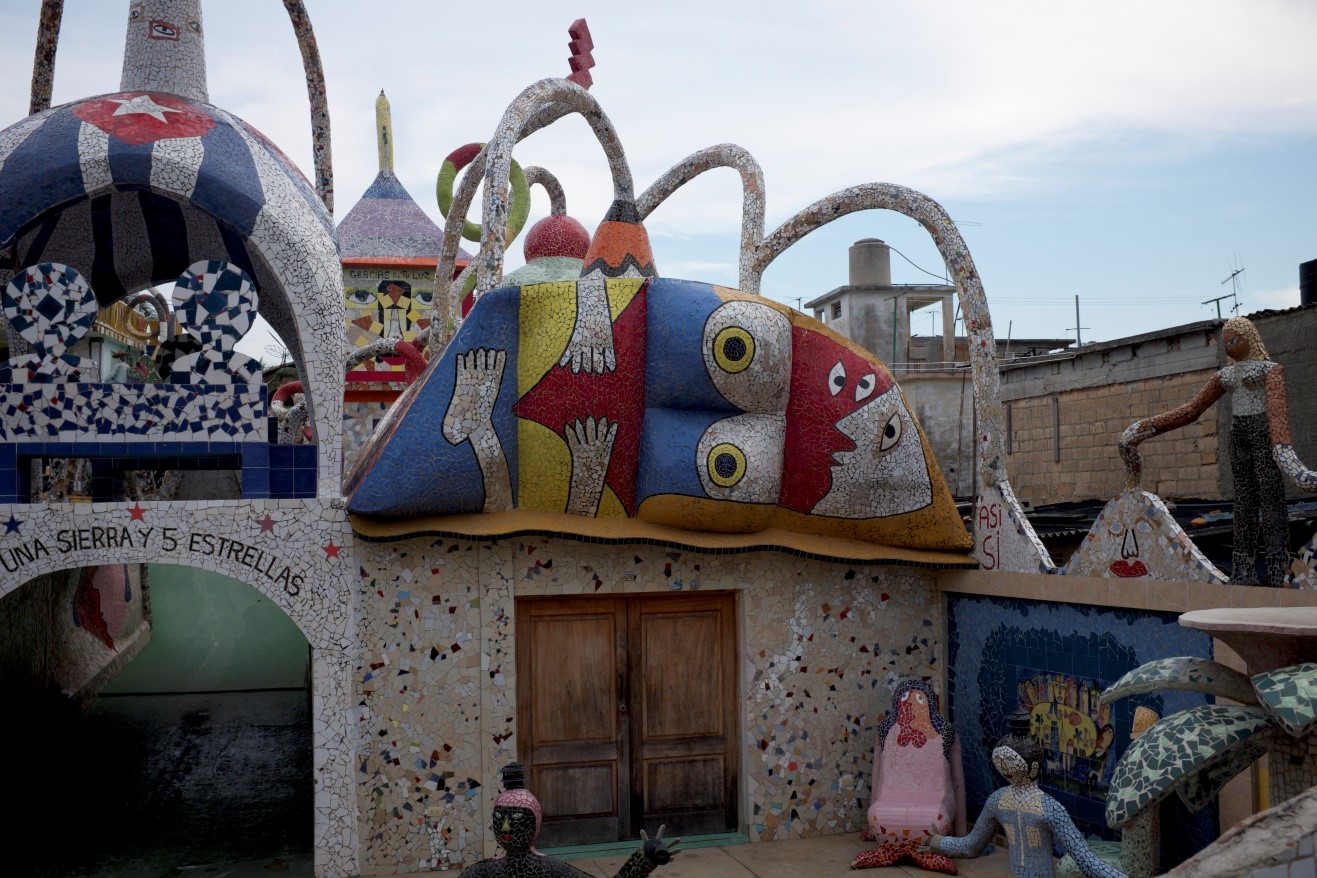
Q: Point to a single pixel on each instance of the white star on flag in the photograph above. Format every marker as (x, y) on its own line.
(143, 104)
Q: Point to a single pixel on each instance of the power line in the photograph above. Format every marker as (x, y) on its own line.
(941, 277)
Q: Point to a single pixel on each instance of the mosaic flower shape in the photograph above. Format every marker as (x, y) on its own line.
(1201, 787)
(51, 306)
(1179, 746)
(1184, 673)
(1290, 695)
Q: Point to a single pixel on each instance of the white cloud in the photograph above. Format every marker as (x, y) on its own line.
(973, 103)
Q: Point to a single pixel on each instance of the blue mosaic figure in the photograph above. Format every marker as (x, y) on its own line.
(215, 303)
(1032, 820)
(51, 306)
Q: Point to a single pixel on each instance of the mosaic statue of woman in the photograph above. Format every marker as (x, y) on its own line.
(1032, 821)
(918, 781)
(1260, 448)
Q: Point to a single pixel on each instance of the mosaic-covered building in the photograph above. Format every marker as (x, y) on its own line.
(390, 249)
(668, 544)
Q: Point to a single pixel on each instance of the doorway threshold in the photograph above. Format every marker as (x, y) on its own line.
(625, 848)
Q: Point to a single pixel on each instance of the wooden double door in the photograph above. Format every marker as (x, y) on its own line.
(626, 714)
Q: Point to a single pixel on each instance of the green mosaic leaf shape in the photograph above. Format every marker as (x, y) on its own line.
(1183, 673)
(1201, 787)
(1178, 746)
(1290, 695)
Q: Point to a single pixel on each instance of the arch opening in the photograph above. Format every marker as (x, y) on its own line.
(169, 707)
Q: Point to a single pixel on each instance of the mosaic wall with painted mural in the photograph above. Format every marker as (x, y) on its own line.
(1054, 660)
(820, 645)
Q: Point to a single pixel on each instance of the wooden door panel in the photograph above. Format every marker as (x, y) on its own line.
(680, 651)
(683, 739)
(571, 665)
(575, 660)
(684, 784)
(626, 714)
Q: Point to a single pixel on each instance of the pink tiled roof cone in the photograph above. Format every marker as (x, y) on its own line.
(387, 221)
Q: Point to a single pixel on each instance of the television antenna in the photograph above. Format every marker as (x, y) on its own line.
(1237, 269)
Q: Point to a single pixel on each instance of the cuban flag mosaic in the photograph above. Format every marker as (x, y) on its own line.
(124, 165)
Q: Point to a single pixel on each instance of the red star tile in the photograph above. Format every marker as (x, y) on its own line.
(138, 117)
(137, 513)
(331, 550)
(267, 524)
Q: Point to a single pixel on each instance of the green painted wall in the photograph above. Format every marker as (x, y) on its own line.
(210, 633)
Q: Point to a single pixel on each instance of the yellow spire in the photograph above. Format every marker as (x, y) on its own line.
(384, 132)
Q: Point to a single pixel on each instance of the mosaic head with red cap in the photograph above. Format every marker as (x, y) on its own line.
(517, 815)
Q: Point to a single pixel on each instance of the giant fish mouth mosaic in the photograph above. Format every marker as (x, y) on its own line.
(698, 407)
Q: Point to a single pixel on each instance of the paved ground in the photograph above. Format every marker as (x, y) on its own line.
(824, 857)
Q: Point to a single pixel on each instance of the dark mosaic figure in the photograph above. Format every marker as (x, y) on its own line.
(1032, 821)
(516, 824)
(1259, 434)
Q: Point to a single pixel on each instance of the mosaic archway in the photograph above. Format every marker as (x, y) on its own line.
(299, 554)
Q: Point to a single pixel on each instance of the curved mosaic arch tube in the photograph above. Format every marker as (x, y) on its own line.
(998, 514)
(315, 90)
(722, 155)
(539, 105)
(991, 461)
(43, 65)
(549, 183)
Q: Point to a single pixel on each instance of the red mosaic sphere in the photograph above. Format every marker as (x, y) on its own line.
(556, 235)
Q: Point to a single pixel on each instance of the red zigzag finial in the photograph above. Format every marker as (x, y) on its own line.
(581, 60)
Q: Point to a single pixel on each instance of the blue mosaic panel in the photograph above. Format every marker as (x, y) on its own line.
(1054, 660)
(215, 304)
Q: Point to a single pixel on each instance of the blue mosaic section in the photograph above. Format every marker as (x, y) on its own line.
(150, 426)
(276, 472)
(86, 412)
(1006, 654)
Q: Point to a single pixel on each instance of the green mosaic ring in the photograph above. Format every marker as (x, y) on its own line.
(518, 210)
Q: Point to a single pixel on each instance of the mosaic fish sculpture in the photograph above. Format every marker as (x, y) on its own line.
(641, 401)
(697, 406)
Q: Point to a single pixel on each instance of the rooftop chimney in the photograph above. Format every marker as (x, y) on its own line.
(1307, 281)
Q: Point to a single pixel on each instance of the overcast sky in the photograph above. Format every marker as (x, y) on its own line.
(1132, 154)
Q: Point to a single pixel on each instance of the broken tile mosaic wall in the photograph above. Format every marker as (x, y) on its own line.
(103, 623)
(820, 646)
(1055, 660)
(359, 421)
